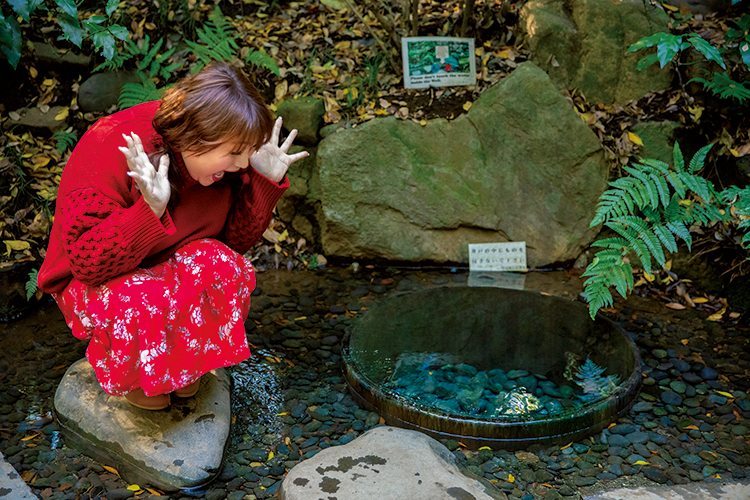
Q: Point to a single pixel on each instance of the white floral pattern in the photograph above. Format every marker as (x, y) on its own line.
(163, 327)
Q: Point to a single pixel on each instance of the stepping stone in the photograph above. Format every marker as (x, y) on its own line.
(385, 462)
(177, 448)
(12, 487)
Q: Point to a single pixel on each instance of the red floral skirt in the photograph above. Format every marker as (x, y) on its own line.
(163, 327)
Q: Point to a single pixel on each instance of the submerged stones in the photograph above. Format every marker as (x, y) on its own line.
(463, 389)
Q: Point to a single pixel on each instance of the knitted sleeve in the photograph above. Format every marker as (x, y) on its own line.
(252, 211)
(104, 239)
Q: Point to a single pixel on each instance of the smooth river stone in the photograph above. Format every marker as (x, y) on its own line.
(180, 447)
(385, 462)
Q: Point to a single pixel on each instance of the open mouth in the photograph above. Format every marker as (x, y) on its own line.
(218, 175)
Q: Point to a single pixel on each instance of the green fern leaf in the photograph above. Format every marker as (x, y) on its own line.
(699, 158)
(666, 237)
(137, 93)
(677, 184)
(263, 60)
(611, 243)
(638, 246)
(31, 285)
(677, 158)
(646, 235)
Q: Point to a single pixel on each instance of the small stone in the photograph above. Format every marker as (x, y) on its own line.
(655, 474)
(708, 373)
(642, 407)
(671, 398)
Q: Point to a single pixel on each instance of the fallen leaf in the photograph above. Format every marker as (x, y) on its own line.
(112, 470)
(511, 479)
(726, 394)
(700, 300)
(16, 246)
(685, 341)
(635, 139)
(467, 105)
(675, 305)
(641, 462)
(62, 114)
(692, 427)
(134, 487)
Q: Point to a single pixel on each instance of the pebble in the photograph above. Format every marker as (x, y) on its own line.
(671, 398)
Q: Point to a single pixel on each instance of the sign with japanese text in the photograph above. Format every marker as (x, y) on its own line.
(510, 256)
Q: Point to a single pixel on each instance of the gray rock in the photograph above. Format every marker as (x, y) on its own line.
(304, 114)
(395, 190)
(36, 118)
(45, 52)
(658, 142)
(583, 44)
(102, 90)
(386, 462)
(181, 447)
(11, 484)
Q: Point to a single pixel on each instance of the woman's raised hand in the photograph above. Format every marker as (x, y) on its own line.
(153, 183)
(272, 160)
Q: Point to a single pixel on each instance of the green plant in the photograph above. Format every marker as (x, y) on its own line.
(669, 46)
(649, 210)
(101, 30)
(65, 139)
(31, 285)
(219, 43)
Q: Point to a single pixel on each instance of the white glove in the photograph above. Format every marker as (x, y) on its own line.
(152, 183)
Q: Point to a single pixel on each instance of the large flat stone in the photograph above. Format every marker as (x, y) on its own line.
(12, 487)
(385, 462)
(181, 447)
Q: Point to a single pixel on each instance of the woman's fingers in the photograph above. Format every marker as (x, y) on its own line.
(289, 140)
(276, 132)
(164, 166)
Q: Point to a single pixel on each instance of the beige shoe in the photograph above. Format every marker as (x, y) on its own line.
(139, 399)
(189, 390)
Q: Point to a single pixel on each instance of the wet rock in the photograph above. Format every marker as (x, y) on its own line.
(671, 398)
(385, 462)
(177, 448)
(708, 373)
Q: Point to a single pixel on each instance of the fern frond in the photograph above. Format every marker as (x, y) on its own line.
(137, 93)
(645, 235)
(677, 158)
(640, 248)
(263, 60)
(611, 243)
(681, 231)
(696, 163)
(666, 238)
(31, 285)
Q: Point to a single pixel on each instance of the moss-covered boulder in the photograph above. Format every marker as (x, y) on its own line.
(519, 166)
(583, 44)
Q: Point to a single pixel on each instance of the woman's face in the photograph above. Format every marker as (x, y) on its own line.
(210, 167)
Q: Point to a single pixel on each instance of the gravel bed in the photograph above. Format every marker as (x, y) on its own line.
(690, 422)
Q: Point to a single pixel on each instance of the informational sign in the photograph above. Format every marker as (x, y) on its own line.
(438, 61)
(509, 256)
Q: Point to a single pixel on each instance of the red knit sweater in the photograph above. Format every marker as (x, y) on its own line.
(103, 227)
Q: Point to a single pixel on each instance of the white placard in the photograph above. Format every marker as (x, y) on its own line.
(438, 61)
(509, 256)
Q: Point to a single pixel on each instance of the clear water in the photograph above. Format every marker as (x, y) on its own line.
(441, 382)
